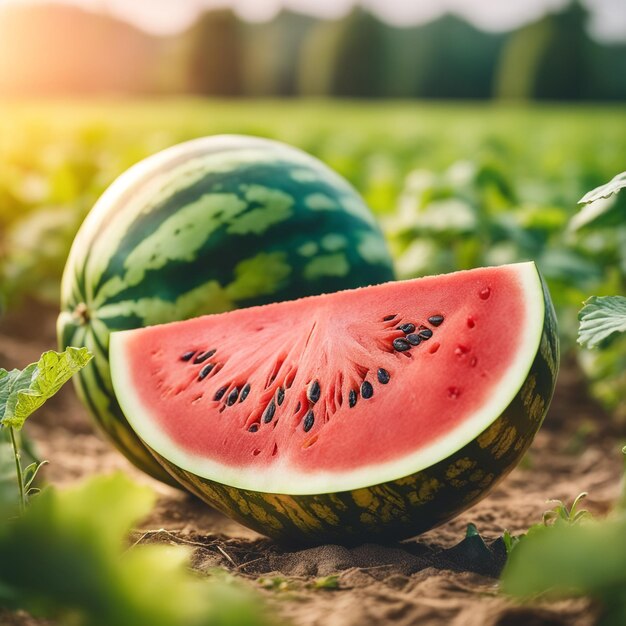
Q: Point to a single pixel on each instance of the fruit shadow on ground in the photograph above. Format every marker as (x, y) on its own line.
(412, 582)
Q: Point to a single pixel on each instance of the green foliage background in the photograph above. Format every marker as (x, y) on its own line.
(454, 185)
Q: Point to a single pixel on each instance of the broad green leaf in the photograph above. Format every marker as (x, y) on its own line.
(603, 213)
(22, 393)
(7, 379)
(67, 558)
(604, 191)
(601, 318)
(566, 559)
(10, 386)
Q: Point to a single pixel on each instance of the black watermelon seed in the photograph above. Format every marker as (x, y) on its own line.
(425, 333)
(383, 376)
(367, 391)
(309, 420)
(253, 428)
(407, 328)
(313, 394)
(205, 371)
(401, 344)
(244, 392)
(232, 397)
(436, 320)
(280, 396)
(268, 416)
(187, 356)
(352, 397)
(202, 357)
(414, 339)
(388, 318)
(219, 394)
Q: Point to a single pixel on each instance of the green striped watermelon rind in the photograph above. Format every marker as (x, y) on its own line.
(324, 239)
(409, 505)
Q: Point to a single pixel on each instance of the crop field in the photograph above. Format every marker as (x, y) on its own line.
(453, 186)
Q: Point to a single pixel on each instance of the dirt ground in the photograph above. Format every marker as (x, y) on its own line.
(415, 582)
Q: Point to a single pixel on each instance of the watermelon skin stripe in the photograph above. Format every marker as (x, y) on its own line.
(281, 252)
(408, 506)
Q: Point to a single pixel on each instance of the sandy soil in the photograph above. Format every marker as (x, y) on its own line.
(418, 581)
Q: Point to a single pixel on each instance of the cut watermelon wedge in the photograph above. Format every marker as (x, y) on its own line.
(374, 411)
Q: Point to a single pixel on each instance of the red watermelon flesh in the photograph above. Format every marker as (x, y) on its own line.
(328, 393)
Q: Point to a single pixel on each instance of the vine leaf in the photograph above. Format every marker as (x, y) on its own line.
(606, 190)
(23, 392)
(601, 318)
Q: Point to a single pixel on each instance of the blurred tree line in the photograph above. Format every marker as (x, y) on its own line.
(64, 50)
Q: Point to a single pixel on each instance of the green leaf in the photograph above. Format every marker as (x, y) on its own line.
(573, 559)
(605, 191)
(600, 319)
(7, 380)
(67, 559)
(22, 393)
(604, 213)
(327, 582)
(510, 541)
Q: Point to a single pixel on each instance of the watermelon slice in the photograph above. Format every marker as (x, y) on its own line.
(374, 412)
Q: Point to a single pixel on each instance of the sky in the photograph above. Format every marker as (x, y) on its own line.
(608, 20)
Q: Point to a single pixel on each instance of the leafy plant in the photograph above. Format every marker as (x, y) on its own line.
(510, 541)
(326, 582)
(22, 392)
(67, 558)
(573, 559)
(570, 554)
(561, 513)
(605, 191)
(601, 319)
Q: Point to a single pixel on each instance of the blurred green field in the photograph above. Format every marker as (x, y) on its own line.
(455, 185)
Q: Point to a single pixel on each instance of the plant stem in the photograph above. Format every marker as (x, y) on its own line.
(18, 469)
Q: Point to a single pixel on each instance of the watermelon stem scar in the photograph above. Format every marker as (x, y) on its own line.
(370, 413)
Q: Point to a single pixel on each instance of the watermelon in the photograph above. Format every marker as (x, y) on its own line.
(208, 226)
(374, 413)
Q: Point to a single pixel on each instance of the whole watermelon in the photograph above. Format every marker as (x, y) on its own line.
(208, 226)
